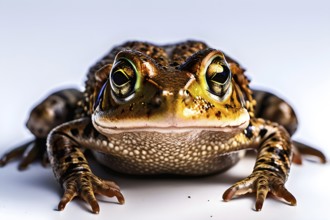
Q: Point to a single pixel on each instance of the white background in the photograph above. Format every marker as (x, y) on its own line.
(285, 46)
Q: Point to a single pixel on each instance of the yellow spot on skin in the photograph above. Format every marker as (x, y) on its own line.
(188, 112)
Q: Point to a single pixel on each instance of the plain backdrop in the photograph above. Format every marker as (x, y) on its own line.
(284, 45)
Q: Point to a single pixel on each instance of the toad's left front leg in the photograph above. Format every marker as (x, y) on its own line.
(272, 166)
(70, 165)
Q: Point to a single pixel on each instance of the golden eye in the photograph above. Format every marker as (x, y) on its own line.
(123, 78)
(218, 77)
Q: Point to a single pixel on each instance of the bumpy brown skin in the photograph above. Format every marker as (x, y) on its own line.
(264, 134)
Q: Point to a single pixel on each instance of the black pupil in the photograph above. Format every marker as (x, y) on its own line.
(221, 77)
(119, 78)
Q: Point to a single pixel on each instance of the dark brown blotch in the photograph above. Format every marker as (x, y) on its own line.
(227, 106)
(74, 131)
(68, 159)
(80, 159)
(263, 132)
(88, 130)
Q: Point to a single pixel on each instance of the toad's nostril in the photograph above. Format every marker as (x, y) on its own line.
(156, 101)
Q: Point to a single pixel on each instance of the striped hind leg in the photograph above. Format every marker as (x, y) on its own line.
(275, 109)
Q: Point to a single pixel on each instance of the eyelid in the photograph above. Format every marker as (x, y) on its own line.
(99, 96)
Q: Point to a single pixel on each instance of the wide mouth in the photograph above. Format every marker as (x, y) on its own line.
(111, 128)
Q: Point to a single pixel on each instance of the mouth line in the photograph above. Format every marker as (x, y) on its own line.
(167, 129)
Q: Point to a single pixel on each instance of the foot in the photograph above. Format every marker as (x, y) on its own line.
(260, 182)
(86, 185)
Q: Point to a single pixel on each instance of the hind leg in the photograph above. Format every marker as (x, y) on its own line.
(301, 149)
(56, 109)
(29, 152)
(273, 108)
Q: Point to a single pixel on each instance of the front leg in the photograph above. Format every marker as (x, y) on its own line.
(272, 166)
(71, 168)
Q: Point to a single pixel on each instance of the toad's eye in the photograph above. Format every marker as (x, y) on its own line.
(218, 77)
(123, 78)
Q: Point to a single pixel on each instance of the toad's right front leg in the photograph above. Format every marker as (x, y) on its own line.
(71, 168)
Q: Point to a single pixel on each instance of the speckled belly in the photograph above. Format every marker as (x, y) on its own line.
(184, 153)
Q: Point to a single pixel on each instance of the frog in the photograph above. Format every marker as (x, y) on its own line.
(180, 109)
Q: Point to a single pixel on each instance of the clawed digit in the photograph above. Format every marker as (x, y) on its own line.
(303, 149)
(261, 184)
(86, 186)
